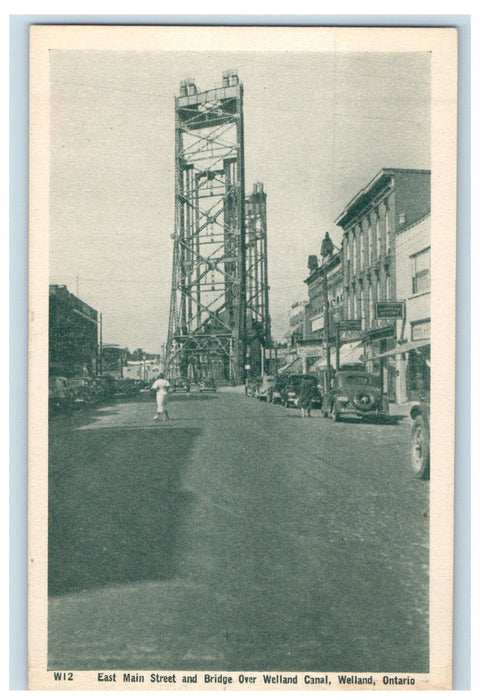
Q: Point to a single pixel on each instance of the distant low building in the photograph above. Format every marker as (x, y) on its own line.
(113, 360)
(72, 334)
(143, 370)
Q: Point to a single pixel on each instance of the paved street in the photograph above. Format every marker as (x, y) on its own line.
(237, 536)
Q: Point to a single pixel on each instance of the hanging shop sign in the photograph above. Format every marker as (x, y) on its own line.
(352, 324)
(421, 330)
(390, 309)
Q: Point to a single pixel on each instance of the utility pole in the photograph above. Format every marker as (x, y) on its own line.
(101, 345)
(337, 347)
(326, 324)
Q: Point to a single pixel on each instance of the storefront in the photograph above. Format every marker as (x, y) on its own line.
(379, 344)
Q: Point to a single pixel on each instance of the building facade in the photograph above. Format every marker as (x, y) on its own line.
(413, 335)
(325, 284)
(113, 360)
(72, 334)
(372, 221)
(297, 322)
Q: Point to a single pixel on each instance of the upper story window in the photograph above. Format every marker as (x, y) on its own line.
(421, 271)
(377, 233)
(366, 244)
(346, 244)
(361, 307)
(370, 241)
(354, 253)
(361, 235)
(387, 227)
(371, 308)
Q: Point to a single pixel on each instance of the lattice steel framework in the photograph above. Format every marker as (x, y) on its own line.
(207, 324)
(256, 271)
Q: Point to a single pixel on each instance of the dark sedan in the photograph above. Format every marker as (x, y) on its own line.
(291, 390)
(355, 393)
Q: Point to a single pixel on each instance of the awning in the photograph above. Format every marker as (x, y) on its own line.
(404, 347)
(293, 367)
(350, 353)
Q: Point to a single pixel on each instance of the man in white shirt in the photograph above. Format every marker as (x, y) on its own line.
(161, 385)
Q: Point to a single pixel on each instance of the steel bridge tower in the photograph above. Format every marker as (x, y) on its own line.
(212, 290)
(256, 274)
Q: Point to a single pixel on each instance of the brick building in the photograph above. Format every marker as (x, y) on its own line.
(413, 335)
(372, 221)
(73, 334)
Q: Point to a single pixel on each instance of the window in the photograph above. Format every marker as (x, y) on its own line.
(371, 313)
(388, 286)
(377, 233)
(363, 250)
(370, 241)
(366, 244)
(347, 256)
(421, 271)
(360, 307)
(387, 228)
(354, 253)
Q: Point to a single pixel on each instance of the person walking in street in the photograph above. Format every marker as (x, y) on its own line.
(305, 397)
(161, 386)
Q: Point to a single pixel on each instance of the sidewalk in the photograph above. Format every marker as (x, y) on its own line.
(400, 409)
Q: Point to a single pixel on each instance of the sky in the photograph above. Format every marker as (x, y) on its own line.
(318, 127)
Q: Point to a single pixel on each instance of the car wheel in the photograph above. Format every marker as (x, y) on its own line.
(420, 449)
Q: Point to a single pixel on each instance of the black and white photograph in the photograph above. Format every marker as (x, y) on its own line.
(242, 342)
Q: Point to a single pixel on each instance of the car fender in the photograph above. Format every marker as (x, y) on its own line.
(420, 409)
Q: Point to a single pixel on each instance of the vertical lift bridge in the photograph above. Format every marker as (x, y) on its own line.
(219, 295)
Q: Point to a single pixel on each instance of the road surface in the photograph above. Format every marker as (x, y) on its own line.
(236, 536)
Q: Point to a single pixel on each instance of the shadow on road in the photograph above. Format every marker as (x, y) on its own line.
(115, 505)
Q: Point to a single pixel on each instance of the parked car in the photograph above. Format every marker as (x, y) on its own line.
(126, 388)
(179, 384)
(104, 388)
(83, 390)
(355, 393)
(420, 440)
(274, 394)
(59, 393)
(251, 386)
(207, 384)
(291, 390)
(263, 386)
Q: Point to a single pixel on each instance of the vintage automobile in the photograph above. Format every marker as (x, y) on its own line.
(59, 393)
(207, 384)
(179, 384)
(291, 390)
(420, 440)
(251, 387)
(274, 394)
(83, 390)
(126, 388)
(355, 393)
(104, 388)
(263, 387)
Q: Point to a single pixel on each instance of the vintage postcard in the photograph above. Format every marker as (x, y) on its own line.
(242, 343)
